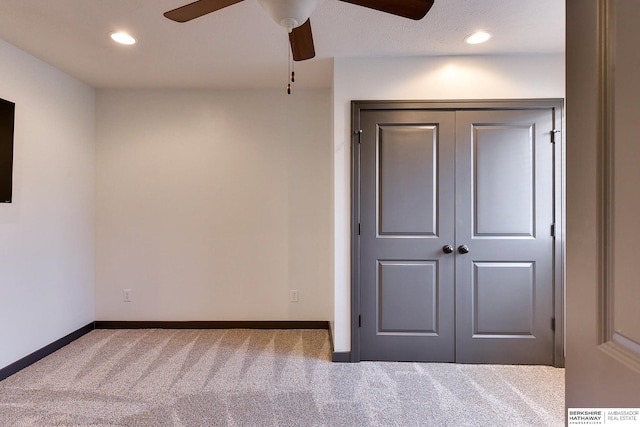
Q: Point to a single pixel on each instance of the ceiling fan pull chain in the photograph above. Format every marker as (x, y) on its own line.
(293, 69)
(289, 74)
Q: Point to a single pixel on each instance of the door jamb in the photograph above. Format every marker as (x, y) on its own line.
(557, 106)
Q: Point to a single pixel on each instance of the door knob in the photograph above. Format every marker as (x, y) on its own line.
(447, 249)
(463, 249)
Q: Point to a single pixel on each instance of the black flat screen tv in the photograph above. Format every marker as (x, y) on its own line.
(7, 115)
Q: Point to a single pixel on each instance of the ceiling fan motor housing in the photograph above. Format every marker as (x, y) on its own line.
(289, 13)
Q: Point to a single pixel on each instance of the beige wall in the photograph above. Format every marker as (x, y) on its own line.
(213, 205)
(46, 234)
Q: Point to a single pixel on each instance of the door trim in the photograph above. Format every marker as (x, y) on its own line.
(557, 106)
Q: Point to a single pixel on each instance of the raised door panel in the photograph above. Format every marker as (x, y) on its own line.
(407, 177)
(503, 299)
(624, 203)
(407, 297)
(503, 168)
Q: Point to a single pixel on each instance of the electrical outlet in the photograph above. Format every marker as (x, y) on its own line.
(293, 296)
(126, 295)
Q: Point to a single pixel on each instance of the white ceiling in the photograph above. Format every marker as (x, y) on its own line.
(240, 47)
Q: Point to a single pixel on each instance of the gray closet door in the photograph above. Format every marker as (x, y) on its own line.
(482, 182)
(407, 216)
(504, 215)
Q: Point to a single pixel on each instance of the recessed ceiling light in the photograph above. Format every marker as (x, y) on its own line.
(477, 37)
(122, 38)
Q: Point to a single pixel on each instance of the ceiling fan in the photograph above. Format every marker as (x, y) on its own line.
(294, 16)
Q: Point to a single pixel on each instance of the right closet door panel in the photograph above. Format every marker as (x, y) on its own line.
(504, 218)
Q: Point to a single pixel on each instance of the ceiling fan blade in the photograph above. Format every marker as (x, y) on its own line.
(301, 41)
(197, 9)
(413, 9)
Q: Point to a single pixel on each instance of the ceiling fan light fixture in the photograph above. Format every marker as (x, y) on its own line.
(289, 13)
(122, 38)
(478, 37)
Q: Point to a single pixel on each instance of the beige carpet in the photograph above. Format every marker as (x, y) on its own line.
(239, 377)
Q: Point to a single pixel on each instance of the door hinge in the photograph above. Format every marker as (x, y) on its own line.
(358, 229)
(553, 230)
(553, 324)
(359, 133)
(553, 135)
(359, 321)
